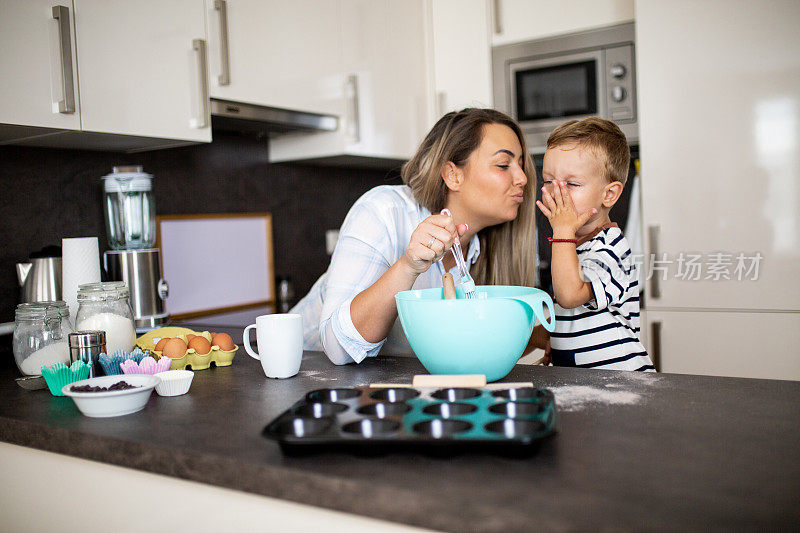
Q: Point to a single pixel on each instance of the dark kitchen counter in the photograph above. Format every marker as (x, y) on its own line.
(650, 451)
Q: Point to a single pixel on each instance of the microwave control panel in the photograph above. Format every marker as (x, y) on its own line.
(620, 76)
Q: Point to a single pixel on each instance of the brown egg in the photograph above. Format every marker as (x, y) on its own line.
(174, 349)
(224, 341)
(160, 344)
(200, 345)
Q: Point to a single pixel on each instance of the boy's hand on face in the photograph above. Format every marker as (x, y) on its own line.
(560, 211)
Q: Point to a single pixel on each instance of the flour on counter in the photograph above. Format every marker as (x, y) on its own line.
(314, 374)
(575, 397)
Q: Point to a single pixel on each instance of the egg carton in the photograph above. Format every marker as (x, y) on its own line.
(438, 421)
(191, 359)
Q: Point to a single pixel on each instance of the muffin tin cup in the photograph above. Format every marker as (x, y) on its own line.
(524, 394)
(436, 421)
(517, 410)
(449, 410)
(319, 409)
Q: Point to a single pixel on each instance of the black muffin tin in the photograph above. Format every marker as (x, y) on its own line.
(429, 420)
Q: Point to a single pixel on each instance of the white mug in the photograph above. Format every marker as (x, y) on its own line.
(280, 344)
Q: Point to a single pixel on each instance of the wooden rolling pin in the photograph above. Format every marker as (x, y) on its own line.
(443, 381)
(449, 286)
(438, 380)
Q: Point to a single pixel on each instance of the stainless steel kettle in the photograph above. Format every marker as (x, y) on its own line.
(40, 279)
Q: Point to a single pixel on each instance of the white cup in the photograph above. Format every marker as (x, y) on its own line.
(280, 344)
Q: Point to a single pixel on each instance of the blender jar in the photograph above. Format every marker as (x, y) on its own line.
(40, 336)
(105, 306)
(130, 211)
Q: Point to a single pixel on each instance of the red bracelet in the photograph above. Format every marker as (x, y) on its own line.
(552, 240)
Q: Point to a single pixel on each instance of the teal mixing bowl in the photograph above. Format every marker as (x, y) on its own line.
(486, 335)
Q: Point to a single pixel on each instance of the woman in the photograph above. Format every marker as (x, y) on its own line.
(473, 162)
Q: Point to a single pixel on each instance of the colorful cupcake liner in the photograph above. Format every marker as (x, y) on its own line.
(111, 363)
(148, 365)
(59, 375)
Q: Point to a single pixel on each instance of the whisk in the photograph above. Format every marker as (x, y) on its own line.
(467, 283)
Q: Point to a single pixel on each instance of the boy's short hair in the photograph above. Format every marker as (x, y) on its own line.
(600, 134)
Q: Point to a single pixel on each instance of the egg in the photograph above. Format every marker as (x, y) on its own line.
(160, 344)
(224, 341)
(200, 345)
(174, 348)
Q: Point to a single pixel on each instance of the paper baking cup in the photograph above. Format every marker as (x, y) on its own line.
(174, 382)
(111, 363)
(137, 355)
(59, 375)
(147, 366)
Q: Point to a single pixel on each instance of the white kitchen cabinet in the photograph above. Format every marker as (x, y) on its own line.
(380, 92)
(405, 62)
(33, 74)
(741, 344)
(720, 153)
(462, 55)
(139, 73)
(276, 53)
(525, 20)
(141, 70)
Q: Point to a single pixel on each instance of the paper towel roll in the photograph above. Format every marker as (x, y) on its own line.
(80, 263)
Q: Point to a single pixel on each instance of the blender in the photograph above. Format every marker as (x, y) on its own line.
(131, 226)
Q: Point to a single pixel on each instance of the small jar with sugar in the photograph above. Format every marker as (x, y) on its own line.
(40, 336)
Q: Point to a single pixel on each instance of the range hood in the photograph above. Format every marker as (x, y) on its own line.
(262, 121)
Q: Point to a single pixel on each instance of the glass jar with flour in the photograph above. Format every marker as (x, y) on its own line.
(105, 306)
(40, 336)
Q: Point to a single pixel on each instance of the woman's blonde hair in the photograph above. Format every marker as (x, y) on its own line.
(508, 250)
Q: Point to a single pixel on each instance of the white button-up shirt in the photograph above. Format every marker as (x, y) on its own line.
(374, 235)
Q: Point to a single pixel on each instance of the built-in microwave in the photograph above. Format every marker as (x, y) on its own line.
(546, 82)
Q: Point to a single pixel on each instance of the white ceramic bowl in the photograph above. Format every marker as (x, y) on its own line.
(113, 403)
(174, 382)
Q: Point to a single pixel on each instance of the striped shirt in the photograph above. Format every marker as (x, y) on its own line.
(374, 236)
(604, 332)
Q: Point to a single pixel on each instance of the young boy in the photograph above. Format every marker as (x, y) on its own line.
(595, 285)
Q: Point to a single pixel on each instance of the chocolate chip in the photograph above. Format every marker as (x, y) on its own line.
(119, 385)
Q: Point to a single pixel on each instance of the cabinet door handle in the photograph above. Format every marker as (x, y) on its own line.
(655, 334)
(498, 23)
(653, 234)
(441, 104)
(225, 75)
(199, 46)
(67, 102)
(354, 124)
